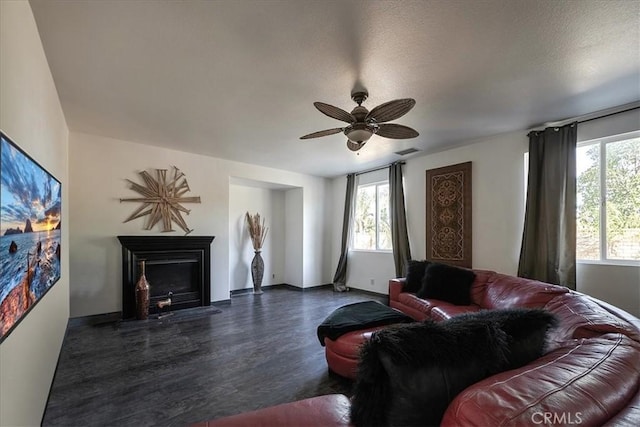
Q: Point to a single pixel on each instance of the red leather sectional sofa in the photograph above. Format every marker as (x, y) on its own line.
(590, 376)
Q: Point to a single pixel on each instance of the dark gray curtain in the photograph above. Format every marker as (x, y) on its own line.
(399, 235)
(548, 250)
(340, 278)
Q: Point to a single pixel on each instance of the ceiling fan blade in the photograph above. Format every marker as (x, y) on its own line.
(355, 146)
(394, 131)
(322, 133)
(391, 110)
(334, 112)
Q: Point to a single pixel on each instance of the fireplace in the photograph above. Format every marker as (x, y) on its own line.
(177, 264)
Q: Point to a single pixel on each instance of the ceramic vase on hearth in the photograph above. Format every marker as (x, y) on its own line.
(142, 295)
(257, 272)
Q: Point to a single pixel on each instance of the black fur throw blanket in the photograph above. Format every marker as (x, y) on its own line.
(408, 374)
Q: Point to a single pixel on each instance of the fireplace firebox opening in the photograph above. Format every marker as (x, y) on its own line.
(177, 267)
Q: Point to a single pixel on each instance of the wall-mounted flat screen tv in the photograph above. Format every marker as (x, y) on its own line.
(30, 235)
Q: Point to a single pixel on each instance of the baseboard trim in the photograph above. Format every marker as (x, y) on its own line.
(307, 289)
(247, 291)
(265, 288)
(364, 291)
(95, 319)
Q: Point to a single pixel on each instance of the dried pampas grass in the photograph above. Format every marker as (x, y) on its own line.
(257, 230)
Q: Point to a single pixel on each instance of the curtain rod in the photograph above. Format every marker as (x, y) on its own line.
(589, 117)
(378, 168)
(607, 115)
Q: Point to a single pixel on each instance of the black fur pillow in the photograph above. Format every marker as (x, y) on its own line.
(525, 329)
(408, 374)
(447, 283)
(413, 275)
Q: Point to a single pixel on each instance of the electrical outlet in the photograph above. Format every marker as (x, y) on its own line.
(372, 282)
(273, 276)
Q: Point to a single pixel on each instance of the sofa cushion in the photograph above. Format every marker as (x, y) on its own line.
(413, 301)
(415, 313)
(444, 310)
(408, 374)
(447, 283)
(413, 275)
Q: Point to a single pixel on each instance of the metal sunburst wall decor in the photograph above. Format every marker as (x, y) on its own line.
(162, 199)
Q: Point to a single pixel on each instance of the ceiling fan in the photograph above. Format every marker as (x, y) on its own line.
(363, 123)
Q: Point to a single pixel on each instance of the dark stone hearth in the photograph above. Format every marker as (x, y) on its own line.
(177, 264)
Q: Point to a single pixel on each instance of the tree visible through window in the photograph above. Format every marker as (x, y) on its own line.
(372, 223)
(608, 199)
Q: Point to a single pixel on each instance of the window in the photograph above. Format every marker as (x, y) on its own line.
(608, 198)
(372, 224)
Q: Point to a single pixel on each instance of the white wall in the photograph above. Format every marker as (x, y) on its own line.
(98, 169)
(314, 255)
(270, 204)
(293, 237)
(497, 200)
(364, 267)
(276, 238)
(616, 284)
(498, 214)
(31, 115)
(498, 209)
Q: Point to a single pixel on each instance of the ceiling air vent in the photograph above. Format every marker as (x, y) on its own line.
(407, 151)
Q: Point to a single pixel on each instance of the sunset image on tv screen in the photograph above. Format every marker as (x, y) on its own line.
(30, 235)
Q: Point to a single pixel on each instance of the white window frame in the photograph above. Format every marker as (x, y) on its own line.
(353, 228)
(603, 199)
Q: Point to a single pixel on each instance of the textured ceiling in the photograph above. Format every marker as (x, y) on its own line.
(237, 79)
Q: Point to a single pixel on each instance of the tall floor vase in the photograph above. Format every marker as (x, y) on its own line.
(257, 272)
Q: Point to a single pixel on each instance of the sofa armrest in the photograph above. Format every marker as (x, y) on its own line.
(395, 287)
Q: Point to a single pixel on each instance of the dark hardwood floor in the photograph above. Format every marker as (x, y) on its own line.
(256, 352)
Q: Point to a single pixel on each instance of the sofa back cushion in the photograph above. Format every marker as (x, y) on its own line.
(581, 317)
(479, 286)
(503, 291)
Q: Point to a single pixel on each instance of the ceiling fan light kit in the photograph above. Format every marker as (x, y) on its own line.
(363, 124)
(355, 146)
(360, 132)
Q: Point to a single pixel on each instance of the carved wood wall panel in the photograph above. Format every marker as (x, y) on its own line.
(448, 215)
